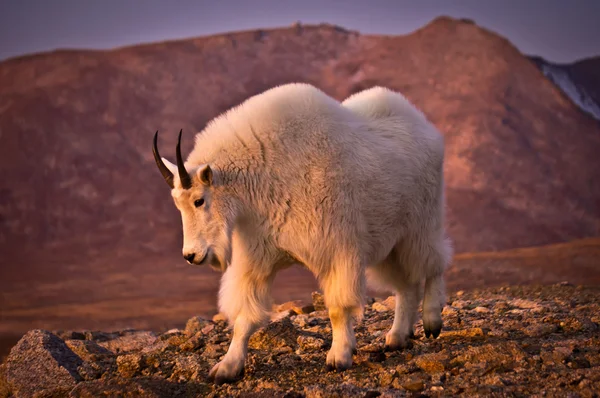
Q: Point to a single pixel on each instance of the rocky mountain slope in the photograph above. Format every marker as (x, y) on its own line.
(509, 341)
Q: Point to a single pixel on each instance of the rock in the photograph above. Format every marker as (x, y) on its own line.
(459, 304)
(372, 348)
(524, 304)
(540, 329)
(469, 332)
(196, 324)
(556, 356)
(379, 307)
(482, 310)
(281, 333)
(505, 354)
(334, 391)
(213, 351)
(297, 307)
(41, 361)
(219, 318)
(127, 341)
(414, 385)
(390, 303)
(87, 350)
(187, 368)
(138, 387)
(310, 343)
(432, 363)
(318, 301)
(195, 342)
(130, 365)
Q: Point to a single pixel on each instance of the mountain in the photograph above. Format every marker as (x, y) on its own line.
(580, 81)
(81, 198)
(77, 127)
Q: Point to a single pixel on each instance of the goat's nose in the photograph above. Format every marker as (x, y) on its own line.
(189, 257)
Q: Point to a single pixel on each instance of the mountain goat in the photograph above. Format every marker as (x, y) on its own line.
(351, 190)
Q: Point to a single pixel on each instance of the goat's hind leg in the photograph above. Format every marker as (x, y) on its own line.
(438, 258)
(433, 302)
(344, 296)
(390, 275)
(407, 303)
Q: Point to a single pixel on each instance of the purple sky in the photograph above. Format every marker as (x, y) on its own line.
(560, 31)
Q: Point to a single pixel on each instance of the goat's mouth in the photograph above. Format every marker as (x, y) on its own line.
(203, 260)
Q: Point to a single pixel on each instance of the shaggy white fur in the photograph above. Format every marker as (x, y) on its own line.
(349, 190)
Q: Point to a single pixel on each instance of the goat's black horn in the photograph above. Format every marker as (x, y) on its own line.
(186, 181)
(161, 166)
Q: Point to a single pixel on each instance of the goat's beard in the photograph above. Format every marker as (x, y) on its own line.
(221, 257)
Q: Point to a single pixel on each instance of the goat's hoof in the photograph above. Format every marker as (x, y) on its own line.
(432, 329)
(338, 367)
(396, 342)
(398, 346)
(225, 373)
(339, 361)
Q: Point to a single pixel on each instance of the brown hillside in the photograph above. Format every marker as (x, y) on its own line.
(81, 199)
(77, 126)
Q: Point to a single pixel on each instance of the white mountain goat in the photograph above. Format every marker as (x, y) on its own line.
(350, 190)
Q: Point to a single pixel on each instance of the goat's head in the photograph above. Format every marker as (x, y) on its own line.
(205, 215)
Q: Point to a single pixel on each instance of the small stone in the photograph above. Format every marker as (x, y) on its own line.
(373, 347)
(130, 365)
(281, 333)
(213, 351)
(193, 343)
(449, 311)
(470, 332)
(501, 307)
(556, 356)
(297, 307)
(196, 324)
(377, 306)
(540, 329)
(432, 363)
(491, 355)
(437, 388)
(310, 343)
(390, 303)
(387, 378)
(87, 350)
(187, 368)
(318, 301)
(524, 304)
(414, 385)
(128, 341)
(482, 310)
(460, 293)
(459, 304)
(219, 317)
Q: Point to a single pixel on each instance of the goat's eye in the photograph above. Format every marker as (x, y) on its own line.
(198, 202)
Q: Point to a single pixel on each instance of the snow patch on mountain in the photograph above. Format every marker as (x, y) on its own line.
(577, 93)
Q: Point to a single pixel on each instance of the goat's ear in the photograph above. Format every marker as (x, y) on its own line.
(172, 168)
(205, 175)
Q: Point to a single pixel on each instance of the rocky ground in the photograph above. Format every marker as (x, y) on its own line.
(509, 341)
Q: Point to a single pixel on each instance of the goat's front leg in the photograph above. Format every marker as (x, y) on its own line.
(244, 299)
(339, 356)
(232, 364)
